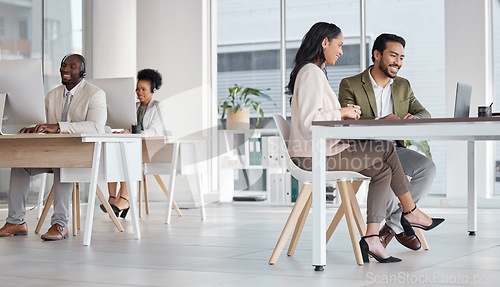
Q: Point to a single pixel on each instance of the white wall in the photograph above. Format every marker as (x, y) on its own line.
(468, 59)
(113, 40)
(172, 37)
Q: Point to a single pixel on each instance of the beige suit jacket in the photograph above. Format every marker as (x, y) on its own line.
(87, 112)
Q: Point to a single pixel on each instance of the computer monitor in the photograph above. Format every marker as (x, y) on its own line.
(120, 98)
(22, 82)
(462, 100)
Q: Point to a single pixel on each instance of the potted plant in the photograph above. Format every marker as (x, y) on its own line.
(237, 106)
(421, 146)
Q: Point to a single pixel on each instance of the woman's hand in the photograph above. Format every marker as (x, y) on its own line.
(122, 132)
(351, 112)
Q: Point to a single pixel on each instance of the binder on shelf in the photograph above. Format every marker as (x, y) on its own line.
(251, 151)
(255, 151)
(258, 151)
(294, 188)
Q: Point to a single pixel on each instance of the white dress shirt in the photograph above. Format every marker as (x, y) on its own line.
(383, 97)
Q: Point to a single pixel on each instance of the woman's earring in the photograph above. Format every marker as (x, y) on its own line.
(324, 50)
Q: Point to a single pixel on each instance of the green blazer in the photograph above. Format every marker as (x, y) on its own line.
(358, 90)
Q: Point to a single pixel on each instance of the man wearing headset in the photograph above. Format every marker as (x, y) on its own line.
(74, 107)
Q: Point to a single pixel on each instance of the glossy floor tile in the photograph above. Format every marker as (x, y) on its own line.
(232, 247)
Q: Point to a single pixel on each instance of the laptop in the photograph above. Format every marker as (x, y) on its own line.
(462, 101)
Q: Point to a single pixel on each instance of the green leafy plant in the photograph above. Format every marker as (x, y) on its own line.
(240, 97)
(422, 146)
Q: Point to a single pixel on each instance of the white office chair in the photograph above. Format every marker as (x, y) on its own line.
(348, 183)
(162, 158)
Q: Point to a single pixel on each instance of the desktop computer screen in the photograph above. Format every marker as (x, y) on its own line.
(22, 81)
(120, 98)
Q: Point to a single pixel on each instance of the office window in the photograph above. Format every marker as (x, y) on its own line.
(301, 15)
(496, 83)
(20, 29)
(62, 36)
(248, 47)
(2, 27)
(23, 29)
(424, 63)
(21, 37)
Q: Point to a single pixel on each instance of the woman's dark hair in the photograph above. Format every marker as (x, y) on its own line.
(153, 76)
(311, 50)
(381, 41)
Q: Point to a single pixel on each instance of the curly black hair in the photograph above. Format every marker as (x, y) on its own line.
(153, 76)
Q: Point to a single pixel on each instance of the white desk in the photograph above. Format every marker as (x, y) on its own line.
(161, 155)
(472, 129)
(79, 156)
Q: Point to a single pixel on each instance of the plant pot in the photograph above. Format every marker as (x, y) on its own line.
(239, 120)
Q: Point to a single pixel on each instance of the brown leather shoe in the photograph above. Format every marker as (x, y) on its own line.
(386, 234)
(411, 242)
(56, 232)
(14, 229)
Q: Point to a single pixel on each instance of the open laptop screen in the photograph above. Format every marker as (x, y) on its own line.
(462, 101)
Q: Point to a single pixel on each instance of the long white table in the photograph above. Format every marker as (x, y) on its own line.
(468, 129)
(90, 158)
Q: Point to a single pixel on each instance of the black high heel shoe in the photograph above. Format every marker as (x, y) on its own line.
(408, 227)
(365, 251)
(102, 205)
(117, 210)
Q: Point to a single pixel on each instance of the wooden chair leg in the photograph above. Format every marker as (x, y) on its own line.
(108, 208)
(146, 200)
(292, 220)
(421, 237)
(73, 208)
(78, 206)
(299, 227)
(351, 225)
(41, 193)
(165, 190)
(46, 208)
(352, 190)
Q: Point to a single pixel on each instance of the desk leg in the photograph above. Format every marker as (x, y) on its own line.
(175, 155)
(198, 178)
(132, 193)
(96, 159)
(319, 201)
(471, 191)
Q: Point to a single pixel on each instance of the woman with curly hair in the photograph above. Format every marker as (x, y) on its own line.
(150, 121)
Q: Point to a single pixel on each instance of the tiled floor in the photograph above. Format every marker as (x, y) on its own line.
(232, 247)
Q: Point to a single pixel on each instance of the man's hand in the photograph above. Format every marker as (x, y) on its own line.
(351, 112)
(47, 128)
(409, 116)
(390, 117)
(27, 130)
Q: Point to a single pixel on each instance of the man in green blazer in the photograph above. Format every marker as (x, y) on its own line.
(383, 95)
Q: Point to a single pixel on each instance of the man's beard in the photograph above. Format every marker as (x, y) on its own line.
(386, 70)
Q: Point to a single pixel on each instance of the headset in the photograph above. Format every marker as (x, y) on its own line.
(153, 86)
(83, 70)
